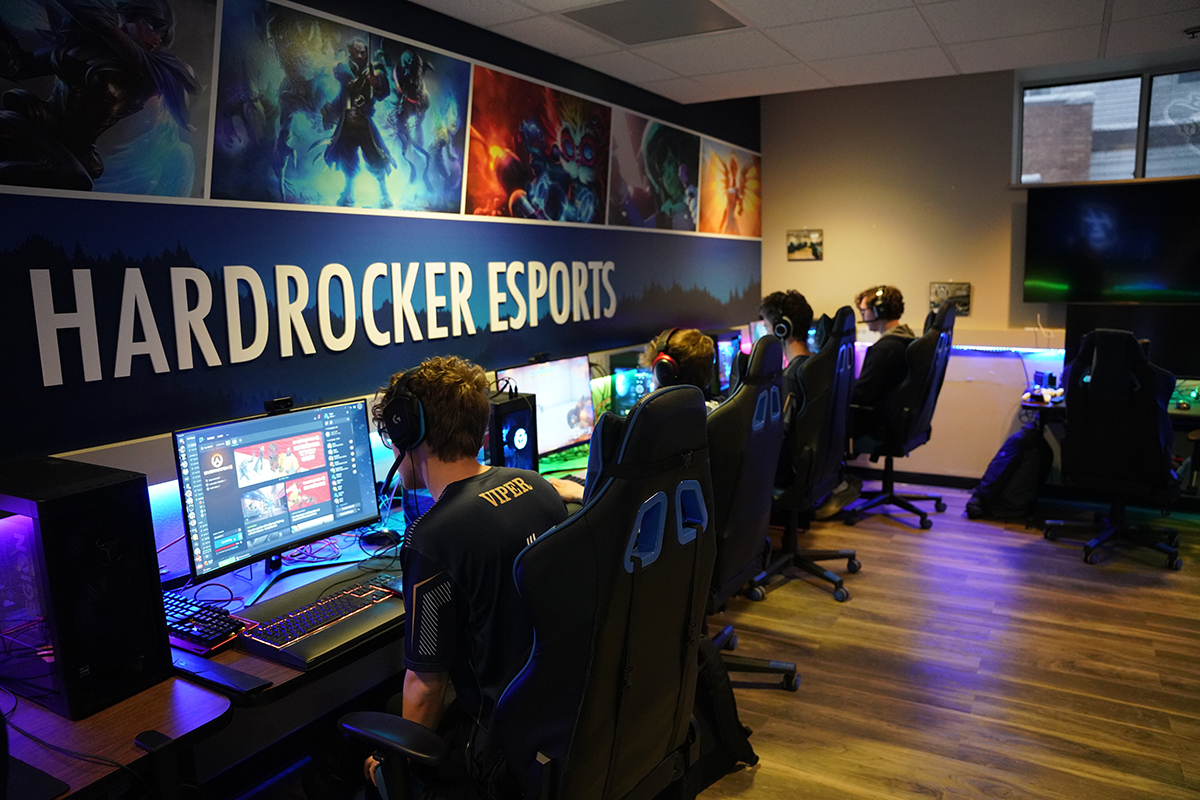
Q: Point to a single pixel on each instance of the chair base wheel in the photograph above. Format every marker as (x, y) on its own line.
(756, 593)
(851, 519)
(940, 506)
(1050, 534)
(1089, 557)
(791, 682)
(841, 595)
(926, 523)
(853, 566)
(1175, 563)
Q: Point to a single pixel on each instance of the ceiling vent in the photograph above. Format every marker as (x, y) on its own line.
(640, 21)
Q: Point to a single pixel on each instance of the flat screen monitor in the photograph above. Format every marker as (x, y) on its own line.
(728, 346)
(629, 386)
(751, 333)
(1113, 243)
(257, 487)
(563, 388)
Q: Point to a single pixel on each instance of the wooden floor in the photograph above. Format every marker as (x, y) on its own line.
(976, 660)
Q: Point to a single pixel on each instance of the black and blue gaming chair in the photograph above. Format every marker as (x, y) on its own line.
(1118, 442)
(616, 593)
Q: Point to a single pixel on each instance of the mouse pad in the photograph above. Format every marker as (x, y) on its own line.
(30, 783)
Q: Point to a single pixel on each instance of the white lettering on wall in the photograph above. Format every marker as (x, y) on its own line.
(330, 273)
(559, 311)
(189, 322)
(291, 309)
(402, 309)
(50, 322)
(374, 335)
(460, 294)
(234, 277)
(135, 306)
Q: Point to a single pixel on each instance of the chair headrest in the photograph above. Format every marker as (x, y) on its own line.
(1106, 362)
(668, 425)
(943, 317)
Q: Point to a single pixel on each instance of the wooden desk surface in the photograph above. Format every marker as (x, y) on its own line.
(181, 710)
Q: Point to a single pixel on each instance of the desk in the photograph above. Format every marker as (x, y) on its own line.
(183, 711)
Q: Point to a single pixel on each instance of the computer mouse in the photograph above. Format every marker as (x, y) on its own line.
(1183, 405)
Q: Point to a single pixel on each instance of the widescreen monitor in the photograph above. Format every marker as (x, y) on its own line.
(1135, 241)
(257, 487)
(563, 389)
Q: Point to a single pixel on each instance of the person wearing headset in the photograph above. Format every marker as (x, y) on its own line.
(466, 625)
(682, 356)
(789, 316)
(676, 356)
(880, 307)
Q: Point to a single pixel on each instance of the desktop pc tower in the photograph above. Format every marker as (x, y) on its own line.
(511, 439)
(81, 611)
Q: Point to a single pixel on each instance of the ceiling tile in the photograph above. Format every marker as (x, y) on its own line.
(1077, 44)
(973, 20)
(681, 90)
(716, 52)
(481, 13)
(627, 66)
(902, 29)
(774, 13)
(555, 36)
(903, 65)
(1162, 32)
(1131, 9)
(767, 80)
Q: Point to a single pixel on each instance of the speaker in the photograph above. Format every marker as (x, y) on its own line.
(511, 439)
(81, 612)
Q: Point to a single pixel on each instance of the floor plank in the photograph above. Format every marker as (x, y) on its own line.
(975, 659)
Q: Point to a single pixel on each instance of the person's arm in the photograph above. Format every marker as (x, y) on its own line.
(425, 696)
(569, 491)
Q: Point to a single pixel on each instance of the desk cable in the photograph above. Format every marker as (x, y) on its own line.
(85, 757)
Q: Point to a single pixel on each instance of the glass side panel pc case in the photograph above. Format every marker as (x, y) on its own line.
(258, 487)
(563, 391)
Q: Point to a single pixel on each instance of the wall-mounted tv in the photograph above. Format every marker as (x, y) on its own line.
(1133, 242)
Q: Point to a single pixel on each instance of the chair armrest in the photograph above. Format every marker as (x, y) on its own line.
(396, 735)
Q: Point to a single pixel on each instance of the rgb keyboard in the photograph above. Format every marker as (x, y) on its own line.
(198, 627)
(314, 632)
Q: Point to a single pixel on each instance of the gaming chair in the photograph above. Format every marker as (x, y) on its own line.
(602, 708)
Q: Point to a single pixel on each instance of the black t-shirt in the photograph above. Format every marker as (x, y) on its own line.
(464, 616)
(793, 387)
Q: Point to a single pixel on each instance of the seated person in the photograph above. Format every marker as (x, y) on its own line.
(883, 367)
(676, 356)
(789, 316)
(683, 356)
(466, 625)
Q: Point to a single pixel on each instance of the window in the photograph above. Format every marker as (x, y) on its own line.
(1092, 131)
(1173, 137)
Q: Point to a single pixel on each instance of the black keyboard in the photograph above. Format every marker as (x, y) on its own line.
(320, 630)
(573, 478)
(198, 627)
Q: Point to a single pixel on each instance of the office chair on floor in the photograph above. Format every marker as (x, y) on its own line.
(602, 708)
(909, 414)
(815, 446)
(745, 434)
(1118, 439)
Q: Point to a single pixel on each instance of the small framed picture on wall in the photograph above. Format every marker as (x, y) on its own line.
(960, 293)
(805, 245)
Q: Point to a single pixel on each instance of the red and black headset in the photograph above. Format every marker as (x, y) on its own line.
(665, 367)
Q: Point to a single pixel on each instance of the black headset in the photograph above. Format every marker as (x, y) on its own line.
(666, 368)
(404, 418)
(781, 326)
(877, 301)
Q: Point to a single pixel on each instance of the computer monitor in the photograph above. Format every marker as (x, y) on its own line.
(629, 386)
(565, 414)
(258, 487)
(728, 346)
(751, 333)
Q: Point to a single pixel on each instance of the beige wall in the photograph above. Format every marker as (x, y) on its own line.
(910, 183)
